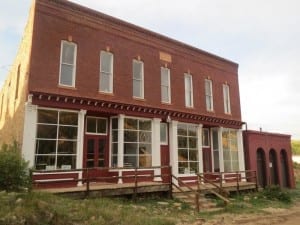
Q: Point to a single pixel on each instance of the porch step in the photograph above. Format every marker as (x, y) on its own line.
(189, 198)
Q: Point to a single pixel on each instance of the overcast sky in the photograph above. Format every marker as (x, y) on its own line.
(263, 37)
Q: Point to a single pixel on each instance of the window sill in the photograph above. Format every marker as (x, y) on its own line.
(106, 93)
(66, 87)
(139, 99)
(189, 107)
(166, 103)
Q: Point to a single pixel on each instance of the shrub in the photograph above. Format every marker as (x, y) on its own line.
(276, 193)
(14, 172)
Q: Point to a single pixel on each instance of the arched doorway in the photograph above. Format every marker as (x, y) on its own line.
(284, 168)
(273, 167)
(261, 167)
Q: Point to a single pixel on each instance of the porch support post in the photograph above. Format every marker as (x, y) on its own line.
(80, 143)
(241, 152)
(30, 120)
(120, 145)
(156, 148)
(221, 158)
(200, 151)
(173, 148)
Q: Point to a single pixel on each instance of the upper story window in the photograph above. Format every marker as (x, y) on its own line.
(226, 96)
(209, 95)
(138, 78)
(67, 63)
(165, 85)
(106, 72)
(188, 84)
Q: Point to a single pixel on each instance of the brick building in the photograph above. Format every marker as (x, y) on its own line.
(90, 90)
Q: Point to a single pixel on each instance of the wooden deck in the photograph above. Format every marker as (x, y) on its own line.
(101, 189)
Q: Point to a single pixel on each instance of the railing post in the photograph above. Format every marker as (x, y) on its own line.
(87, 183)
(197, 202)
(221, 179)
(135, 184)
(256, 182)
(237, 182)
(170, 183)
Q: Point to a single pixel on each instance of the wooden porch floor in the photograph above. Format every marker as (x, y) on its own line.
(101, 189)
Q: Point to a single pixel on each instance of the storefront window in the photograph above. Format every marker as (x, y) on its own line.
(230, 151)
(188, 159)
(56, 140)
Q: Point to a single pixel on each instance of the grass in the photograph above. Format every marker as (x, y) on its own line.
(296, 147)
(41, 208)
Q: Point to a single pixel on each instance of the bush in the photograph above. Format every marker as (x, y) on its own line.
(276, 193)
(14, 172)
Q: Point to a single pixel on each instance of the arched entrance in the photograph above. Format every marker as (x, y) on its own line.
(284, 168)
(273, 167)
(261, 167)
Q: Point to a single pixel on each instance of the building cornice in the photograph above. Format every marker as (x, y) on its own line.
(71, 102)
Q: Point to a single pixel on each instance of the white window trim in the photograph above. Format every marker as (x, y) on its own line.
(90, 133)
(111, 74)
(190, 92)
(74, 65)
(169, 85)
(142, 79)
(210, 95)
(226, 99)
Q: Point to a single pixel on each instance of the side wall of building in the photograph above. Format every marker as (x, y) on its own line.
(15, 90)
(270, 145)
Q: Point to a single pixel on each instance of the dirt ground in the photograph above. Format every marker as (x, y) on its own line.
(272, 216)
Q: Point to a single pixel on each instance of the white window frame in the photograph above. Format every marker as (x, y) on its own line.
(97, 118)
(226, 98)
(188, 79)
(209, 95)
(63, 42)
(167, 86)
(110, 74)
(141, 80)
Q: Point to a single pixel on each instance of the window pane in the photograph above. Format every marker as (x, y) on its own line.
(192, 131)
(68, 118)
(145, 149)
(183, 168)
(130, 161)
(182, 142)
(47, 131)
(137, 90)
(182, 129)
(130, 148)
(215, 140)
(145, 137)
(47, 116)
(101, 126)
(193, 154)
(66, 76)
(130, 124)
(193, 167)
(164, 77)
(182, 155)
(105, 82)
(165, 94)
(114, 136)
(67, 132)
(45, 146)
(67, 147)
(130, 136)
(145, 125)
(145, 161)
(137, 70)
(68, 53)
(91, 125)
(115, 148)
(64, 162)
(114, 122)
(192, 142)
(163, 133)
(216, 161)
(45, 162)
(106, 62)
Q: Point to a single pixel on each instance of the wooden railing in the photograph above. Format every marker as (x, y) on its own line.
(112, 174)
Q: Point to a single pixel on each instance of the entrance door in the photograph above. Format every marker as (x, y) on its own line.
(273, 167)
(207, 160)
(95, 148)
(284, 169)
(261, 167)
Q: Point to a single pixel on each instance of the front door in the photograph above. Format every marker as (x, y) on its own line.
(95, 149)
(207, 160)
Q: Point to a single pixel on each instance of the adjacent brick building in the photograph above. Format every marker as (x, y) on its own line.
(90, 90)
